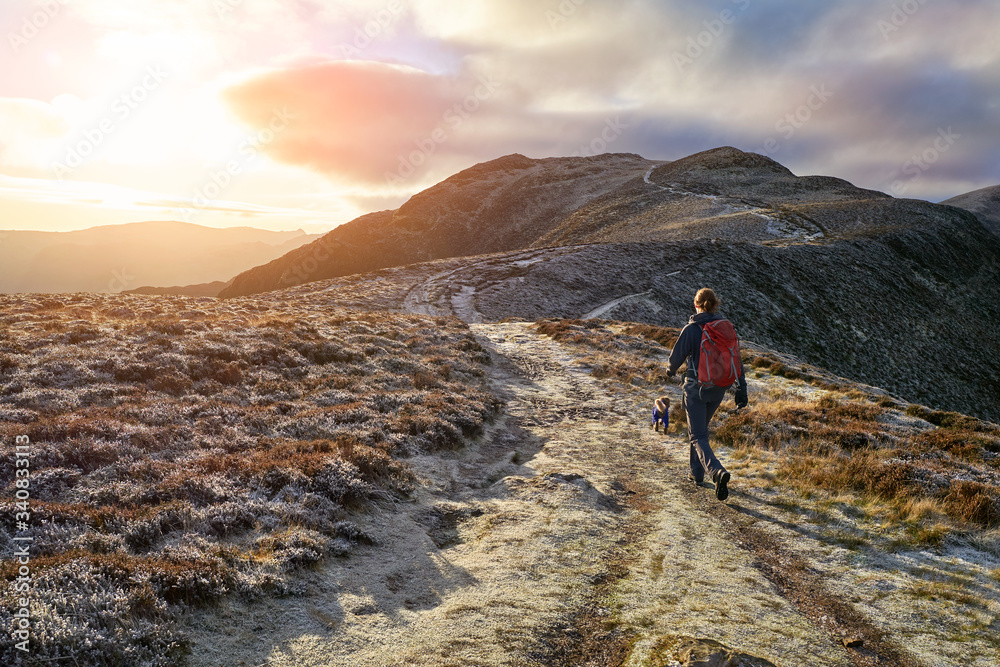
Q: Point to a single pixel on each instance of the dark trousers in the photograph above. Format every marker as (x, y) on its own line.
(700, 405)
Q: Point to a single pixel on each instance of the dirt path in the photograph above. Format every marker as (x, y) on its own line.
(453, 291)
(568, 536)
(791, 227)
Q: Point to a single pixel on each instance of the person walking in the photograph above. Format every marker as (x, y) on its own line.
(699, 400)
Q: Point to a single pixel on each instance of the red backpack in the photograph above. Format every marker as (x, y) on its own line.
(719, 360)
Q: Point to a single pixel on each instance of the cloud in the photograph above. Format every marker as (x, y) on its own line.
(663, 78)
(355, 120)
(686, 76)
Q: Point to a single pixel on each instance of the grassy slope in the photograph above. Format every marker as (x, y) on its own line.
(877, 519)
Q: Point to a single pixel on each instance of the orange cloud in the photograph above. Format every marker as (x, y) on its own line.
(350, 119)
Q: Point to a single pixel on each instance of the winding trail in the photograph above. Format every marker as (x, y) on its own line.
(611, 305)
(683, 574)
(792, 226)
(453, 291)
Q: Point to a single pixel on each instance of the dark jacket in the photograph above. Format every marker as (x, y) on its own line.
(688, 348)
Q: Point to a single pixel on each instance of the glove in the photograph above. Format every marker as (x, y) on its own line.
(671, 374)
(741, 398)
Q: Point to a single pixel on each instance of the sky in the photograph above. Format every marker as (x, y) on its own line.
(303, 114)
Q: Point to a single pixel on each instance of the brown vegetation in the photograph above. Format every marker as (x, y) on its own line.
(849, 447)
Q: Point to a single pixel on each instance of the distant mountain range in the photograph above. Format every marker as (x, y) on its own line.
(116, 258)
(201, 289)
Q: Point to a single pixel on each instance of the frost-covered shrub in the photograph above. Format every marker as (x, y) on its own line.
(142, 535)
(62, 373)
(193, 581)
(349, 531)
(325, 352)
(47, 401)
(88, 613)
(294, 547)
(228, 518)
(8, 363)
(171, 382)
(341, 482)
(97, 542)
(51, 483)
(331, 397)
(198, 490)
(223, 372)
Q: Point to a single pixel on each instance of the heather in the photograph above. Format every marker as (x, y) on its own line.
(184, 449)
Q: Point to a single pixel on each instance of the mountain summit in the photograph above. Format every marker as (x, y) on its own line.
(503, 204)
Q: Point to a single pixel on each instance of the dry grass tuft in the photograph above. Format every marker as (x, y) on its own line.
(833, 446)
(630, 357)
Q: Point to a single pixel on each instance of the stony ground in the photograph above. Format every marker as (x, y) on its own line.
(570, 535)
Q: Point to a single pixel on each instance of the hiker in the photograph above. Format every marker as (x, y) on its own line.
(700, 399)
(661, 414)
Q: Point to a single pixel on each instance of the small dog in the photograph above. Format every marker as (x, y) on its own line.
(661, 414)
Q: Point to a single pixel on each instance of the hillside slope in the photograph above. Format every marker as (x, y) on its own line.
(271, 481)
(911, 310)
(504, 204)
(985, 203)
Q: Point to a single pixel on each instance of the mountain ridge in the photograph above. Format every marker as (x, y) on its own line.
(515, 202)
(910, 310)
(522, 194)
(812, 266)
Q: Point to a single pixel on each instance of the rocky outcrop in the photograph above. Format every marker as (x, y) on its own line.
(699, 652)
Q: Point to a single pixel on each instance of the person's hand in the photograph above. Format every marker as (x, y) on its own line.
(741, 399)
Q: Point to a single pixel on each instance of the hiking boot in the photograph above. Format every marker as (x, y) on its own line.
(698, 482)
(722, 485)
